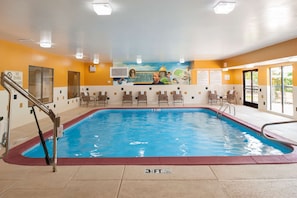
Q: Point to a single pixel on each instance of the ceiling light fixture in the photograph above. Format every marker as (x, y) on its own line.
(182, 60)
(224, 7)
(79, 54)
(96, 59)
(45, 44)
(45, 39)
(102, 7)
(138, 60)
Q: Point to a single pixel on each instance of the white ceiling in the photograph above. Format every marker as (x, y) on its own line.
(158, 30)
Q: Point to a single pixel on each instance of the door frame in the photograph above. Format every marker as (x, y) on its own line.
(247, 103)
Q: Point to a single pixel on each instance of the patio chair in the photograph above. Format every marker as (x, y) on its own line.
(177, 97)
(162, 97)
(141, 98)
(102, 98)
(231, 96)
(127, 98)
(86, 98)
(212, 97)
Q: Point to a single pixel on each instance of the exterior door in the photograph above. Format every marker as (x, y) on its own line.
(250, 88)
(281, 90)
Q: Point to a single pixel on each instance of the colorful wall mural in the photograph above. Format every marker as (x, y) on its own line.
(141, 74)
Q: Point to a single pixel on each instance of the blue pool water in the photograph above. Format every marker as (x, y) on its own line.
(157, 133)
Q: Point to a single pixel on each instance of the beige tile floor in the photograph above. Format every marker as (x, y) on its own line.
(139, 181)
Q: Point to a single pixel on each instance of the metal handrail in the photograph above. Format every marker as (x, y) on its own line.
(272, 138)
(226, 105)
(6, 80)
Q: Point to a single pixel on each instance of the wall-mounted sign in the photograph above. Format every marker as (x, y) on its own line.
(16, 76)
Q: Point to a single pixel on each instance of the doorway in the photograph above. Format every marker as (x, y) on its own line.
(281, 90)
(250, 88)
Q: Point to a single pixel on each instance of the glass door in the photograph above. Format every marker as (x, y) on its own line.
(281, 90)
(250, 88)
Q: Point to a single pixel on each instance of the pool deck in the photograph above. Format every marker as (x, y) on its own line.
(266, 180)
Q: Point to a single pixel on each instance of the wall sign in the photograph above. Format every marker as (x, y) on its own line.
(16, 76)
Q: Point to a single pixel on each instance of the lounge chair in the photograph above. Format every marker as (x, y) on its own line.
(177, 97)
(142, 98)
(127, 98)
(162, 97)
(102, 98)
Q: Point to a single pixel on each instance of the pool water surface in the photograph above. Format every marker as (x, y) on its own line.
(159, 133)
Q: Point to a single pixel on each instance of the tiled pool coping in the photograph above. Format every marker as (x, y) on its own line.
(15, 154)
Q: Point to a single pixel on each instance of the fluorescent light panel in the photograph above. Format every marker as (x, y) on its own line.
(224, 7)
(138, 60)
(79, 53)
(96, 59)
(45, 39)
(45, 44)
(102, 8)
(182, 60)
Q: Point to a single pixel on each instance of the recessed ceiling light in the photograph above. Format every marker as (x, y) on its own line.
(224, 7)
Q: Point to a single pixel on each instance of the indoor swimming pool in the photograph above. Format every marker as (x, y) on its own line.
(183, 134)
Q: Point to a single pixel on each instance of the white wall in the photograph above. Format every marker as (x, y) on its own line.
(193, 94)
(262, 98)
(21, 114)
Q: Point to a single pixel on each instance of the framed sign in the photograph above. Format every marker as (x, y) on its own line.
(16, 76)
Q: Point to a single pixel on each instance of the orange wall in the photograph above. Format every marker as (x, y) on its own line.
(17, 57)
(234, 75)
(294, 74)
(100, 76)
(281, 50)
(263, 73)
(284, 49)
(263, 76)
(204, 64)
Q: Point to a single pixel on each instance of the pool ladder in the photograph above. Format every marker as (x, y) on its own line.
(224, 107)
(274, 139)
(10, 85)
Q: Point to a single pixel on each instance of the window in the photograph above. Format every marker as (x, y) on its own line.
(281, 90)
(41, 83)
(73, 84)
(209, 77)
